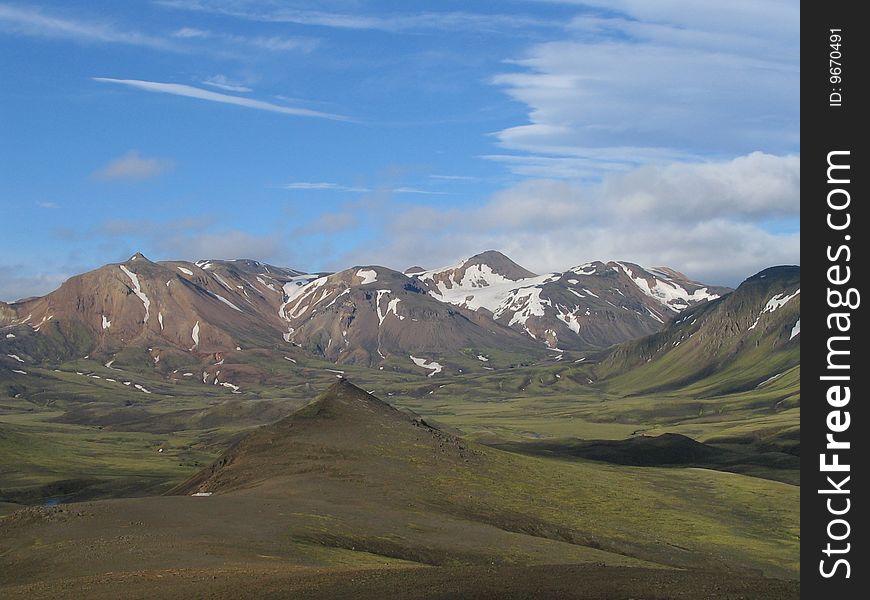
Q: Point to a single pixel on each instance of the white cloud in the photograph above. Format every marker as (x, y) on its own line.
(36, 23)
(662, 80)
(191, 33)
(337, 187)
(452, 177)
(178, 89)
(272, 12)
(223, 83)
(49, 205)
(133, 167)
(269, 43)
(323, 186)
(698, 218)
(18, 282)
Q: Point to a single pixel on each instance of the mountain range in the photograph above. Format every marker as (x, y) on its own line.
(365, 315)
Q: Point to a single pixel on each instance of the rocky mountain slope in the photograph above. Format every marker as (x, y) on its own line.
(201, 308)
(140, 313)
(741, 341)
(591, 306)
(366, 314)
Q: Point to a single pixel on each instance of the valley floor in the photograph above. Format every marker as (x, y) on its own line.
(568, 582)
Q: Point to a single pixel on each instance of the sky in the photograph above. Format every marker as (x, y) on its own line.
(323, 135)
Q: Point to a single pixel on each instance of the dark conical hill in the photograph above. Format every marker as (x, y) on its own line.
(344, 433)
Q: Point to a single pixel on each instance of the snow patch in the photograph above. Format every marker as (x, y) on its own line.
(16, 357)
(19, 371)
(654, 316)
(225, 301)
(10, 336)
(185, 271)
(140, 388)
(268, 285)
(137, 289)
(524, 303)
(106, 322)
(773, 304)
(585, 269)
(432, 366)
(391, 307)
(795, 330)
(195, 335)
(481, 357)
(368, 276)
(160, 320)
(667, 292)
(334, 300)
(295, 291)
(569, 319)
(221, 281)
(481, 288)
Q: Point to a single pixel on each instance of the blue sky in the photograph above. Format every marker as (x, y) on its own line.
(319, 135)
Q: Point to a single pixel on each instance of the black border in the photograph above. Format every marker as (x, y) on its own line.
(826, 128)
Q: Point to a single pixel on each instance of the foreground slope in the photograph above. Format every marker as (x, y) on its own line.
(350, 481)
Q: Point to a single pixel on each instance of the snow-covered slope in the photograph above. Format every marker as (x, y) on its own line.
(369, 314)
(593, 305)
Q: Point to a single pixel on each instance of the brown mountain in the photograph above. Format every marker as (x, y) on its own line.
(591, 306)
(369, 314)
(145, 313)
(201, 308)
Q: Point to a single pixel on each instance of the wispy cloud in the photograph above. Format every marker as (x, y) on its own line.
(270, 43)
(653, 83)
(221, 82)
(452, 177)
(337, 187)
(496, 23)
(33, 22)
(323, 186)
(48, 205)
(133, 167)
(413, 190)
(178, 89)
(187, 33)
(39, 23)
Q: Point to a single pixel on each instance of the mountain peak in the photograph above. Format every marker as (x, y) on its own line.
(500, 264)
(138, 257)
(347, 425)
